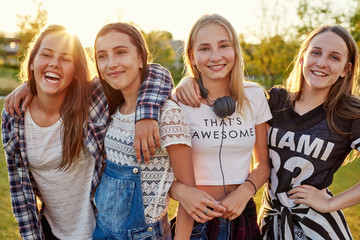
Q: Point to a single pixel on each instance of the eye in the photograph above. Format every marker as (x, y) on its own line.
(67, 59)
(100, 56)
(224, 45)
(45, 54)
(334, 57)
(204, 49)
(315, 52)
(120, 52)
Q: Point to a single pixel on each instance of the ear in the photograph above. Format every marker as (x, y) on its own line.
(347, 69)
(301, 61)
(192, 60)
(140, 62)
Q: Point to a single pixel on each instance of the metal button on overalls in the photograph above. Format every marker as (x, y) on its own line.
(135, 170)
(150, 229)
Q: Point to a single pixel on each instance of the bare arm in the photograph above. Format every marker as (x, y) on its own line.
(13, 100)
(181, 162)
(188, 92)
(196, 202)
(321, 201)
(153, 92)
(236, 201)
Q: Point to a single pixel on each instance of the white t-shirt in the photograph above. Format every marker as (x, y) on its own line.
(66, 193)
(157, 176)
(236, 133)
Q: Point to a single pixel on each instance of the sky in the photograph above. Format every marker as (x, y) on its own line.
(86, 17)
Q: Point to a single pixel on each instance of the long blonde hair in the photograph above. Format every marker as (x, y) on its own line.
(75, 108)
(237, 76)
(342, 100)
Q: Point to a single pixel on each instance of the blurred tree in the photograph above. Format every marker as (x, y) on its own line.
(355, 23)
(268, 61)
(316, 13)
(30, 26)
(164, 53)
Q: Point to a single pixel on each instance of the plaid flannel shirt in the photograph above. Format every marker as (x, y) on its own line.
(23, 191)
(153, 93)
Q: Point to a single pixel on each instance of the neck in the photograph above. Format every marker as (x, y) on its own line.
(45, 110)
(130, 101)
(217, 89)
(314, 96)
(310, 99)
(50, 104)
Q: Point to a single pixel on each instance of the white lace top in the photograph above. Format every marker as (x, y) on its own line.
(156, 177)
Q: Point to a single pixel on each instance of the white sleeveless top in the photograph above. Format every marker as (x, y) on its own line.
(66, 193)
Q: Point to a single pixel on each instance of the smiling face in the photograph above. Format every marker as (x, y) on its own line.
(53, 65)
(118, 61)
(325, 61)
(213, 53)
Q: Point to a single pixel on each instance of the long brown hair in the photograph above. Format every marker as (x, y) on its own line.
(75, 108)
(343, 100)
(115, 97)
(237, 76)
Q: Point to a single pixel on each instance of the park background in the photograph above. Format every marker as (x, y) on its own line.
(270, 32)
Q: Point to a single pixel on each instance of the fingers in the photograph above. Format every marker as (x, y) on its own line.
(217, 208)
(138, 149)
(157, 139)
(188, 97)
(145, 151)
(6, 103)
(16, 104)
(151, 146)
(301, 189)
(206, 215)
(26, 103)
(9, 104)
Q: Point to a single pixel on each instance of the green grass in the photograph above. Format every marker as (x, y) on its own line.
(346, 177)
(8, 80)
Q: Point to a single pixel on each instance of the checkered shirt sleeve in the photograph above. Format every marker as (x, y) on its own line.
(21, 190)
(96, 130)
(153, 92)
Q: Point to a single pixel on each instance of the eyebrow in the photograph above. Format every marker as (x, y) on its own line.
(114, 48)
(221, 41)
(50, 50)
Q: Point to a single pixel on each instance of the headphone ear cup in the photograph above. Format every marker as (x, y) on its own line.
(224, 106)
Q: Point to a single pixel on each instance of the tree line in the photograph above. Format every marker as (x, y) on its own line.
(267, 61)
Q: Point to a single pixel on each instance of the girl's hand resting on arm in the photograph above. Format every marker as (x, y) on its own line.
(188, 92)
(196, 202)
(13, 100)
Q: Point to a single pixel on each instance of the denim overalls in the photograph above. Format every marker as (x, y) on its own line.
(120, 207)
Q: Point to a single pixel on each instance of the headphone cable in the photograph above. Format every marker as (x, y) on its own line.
(222, 172)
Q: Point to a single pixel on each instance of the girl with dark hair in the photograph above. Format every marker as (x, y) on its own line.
(132, 198)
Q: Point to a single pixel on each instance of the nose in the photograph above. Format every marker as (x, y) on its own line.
(215, 56)
(54, 63)
(112, 62)
(322, 62)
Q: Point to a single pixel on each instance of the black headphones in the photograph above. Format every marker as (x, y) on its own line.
(222, 107)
